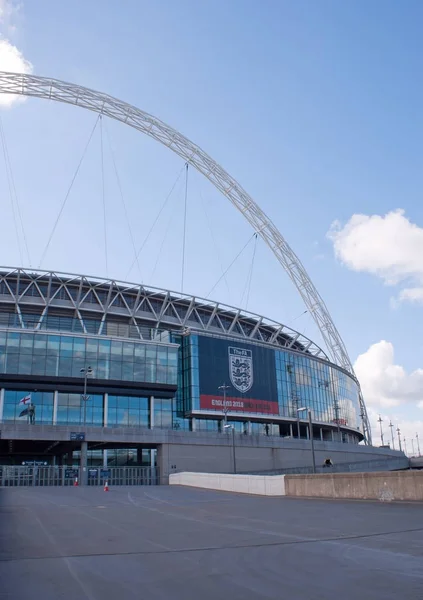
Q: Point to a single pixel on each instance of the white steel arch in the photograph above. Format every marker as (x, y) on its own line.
(61, 91)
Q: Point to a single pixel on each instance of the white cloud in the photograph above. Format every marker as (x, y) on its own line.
(384, 383)
(9, 11)
(389, 246)
(412, 294)
(11, 58)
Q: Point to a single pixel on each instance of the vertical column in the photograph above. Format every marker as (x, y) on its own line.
(1, 404)
(55, 404)
(194, 424)
(104, 458)
(249, 428)
(83, 464)
(151, 412)
(321, 434)
(105, 410)
(291, 432)
(332, 434)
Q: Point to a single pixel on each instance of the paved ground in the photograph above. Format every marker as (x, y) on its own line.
(161, 543)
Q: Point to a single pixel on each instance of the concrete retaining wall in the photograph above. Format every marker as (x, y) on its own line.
(204, 453)
(385, 486)
(397, 485)
(244, 484)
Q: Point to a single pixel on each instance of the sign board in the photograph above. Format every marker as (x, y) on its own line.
(71, 473)
(34, 463)
(105, 473)
(92, 472)
(75, 436)
(248, 370)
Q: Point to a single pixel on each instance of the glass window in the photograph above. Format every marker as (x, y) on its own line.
(53, 344)
(139, 352)
(65, 367)
(128, 350)
(91, 350)
(13, 342)
(40, 343)
(116, 348)
(104, 348)
(27, 342)
(25, 363)
(115, 369)
(42, 401)
(12, 363)
(79, 348)
(52, 365)
(151, 353)
(66, 346)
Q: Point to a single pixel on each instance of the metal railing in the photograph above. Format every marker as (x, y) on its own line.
(123, 476)
(387, 464)
(38, 476)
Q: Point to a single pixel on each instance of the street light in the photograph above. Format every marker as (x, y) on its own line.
(86, 372)
(392, 434)
(310, 428)
(224, 387)
(399, 438)
(380, 421)
(230, 426)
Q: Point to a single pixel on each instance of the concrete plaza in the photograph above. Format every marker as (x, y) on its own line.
(165, 542)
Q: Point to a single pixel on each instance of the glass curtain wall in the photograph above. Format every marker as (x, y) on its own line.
(65, 356)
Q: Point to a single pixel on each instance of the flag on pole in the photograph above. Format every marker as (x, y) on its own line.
(26, 400)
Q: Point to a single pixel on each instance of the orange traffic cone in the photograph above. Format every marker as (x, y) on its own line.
(75, 483)
(106, 486)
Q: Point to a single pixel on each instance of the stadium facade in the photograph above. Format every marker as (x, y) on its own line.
(163, 366)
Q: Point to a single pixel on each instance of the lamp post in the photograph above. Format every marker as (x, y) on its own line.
(380, 421)
(399, 438)
(233, 443)
(392, 434)
(86, 372)
(292, 394)
(418, 444)
(224, 388)
(310, 427)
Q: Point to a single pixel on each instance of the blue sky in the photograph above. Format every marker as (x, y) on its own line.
(314, 107)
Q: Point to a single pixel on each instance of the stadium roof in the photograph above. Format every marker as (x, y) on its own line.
(102, 301)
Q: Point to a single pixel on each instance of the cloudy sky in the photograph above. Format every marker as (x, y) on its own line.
(314, 107)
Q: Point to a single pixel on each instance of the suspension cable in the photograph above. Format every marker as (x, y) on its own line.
(216, 249)
(122, 198)
(185, 227)
(234, 260)
(14, 196)
(155, 220)
(103, 194)
(12, 204)
(68, 192)
(249, 277)
(171, 221)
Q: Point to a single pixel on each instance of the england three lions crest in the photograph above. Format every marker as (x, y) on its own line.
(241, 368)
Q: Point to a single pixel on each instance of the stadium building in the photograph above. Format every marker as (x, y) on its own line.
(98, 372)
(134, 368)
